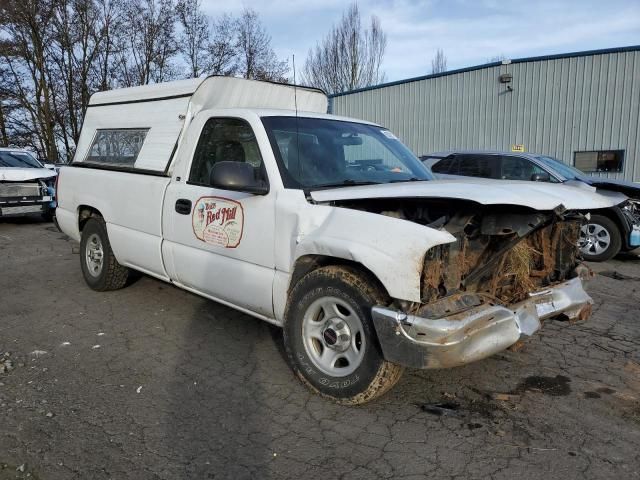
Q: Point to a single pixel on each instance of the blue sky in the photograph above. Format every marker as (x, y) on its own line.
(470, 32)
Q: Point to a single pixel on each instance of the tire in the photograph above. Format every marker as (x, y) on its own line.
(358, 373)
(600, 239)
(47, 216)
(100, 269)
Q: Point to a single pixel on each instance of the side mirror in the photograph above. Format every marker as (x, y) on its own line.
(540, 177)
(50, 166)
(237, 176)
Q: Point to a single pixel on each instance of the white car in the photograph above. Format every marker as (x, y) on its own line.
(26, 185)
(247, 193)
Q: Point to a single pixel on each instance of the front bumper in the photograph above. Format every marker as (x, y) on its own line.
(477, 333)
(15, 209)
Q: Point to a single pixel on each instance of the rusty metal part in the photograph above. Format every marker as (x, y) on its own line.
(504, 265)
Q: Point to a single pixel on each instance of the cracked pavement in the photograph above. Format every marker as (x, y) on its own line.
(151, 382)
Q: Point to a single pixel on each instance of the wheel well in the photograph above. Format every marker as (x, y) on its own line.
(85, 212)
(308, 263)
(611, 215)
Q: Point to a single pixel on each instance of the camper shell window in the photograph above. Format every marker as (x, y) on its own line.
(117, 146)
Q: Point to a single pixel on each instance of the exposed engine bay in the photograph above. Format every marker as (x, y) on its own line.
(502, 252)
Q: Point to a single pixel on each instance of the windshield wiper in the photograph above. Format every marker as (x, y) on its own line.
(412, 179)
(344, 183)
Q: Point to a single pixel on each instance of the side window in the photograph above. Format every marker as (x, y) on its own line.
(443, 165)
(225, 140)
(483, 166)
(117, 146)
(599, 161)
(518, 168)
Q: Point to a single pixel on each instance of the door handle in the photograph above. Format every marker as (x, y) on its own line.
(183, 206)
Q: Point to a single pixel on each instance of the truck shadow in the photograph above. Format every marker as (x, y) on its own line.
(225, 396)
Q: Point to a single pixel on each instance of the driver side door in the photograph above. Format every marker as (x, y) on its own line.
(220, 243)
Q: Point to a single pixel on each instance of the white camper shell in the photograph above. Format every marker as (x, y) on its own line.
(165, 111)
(249, 194)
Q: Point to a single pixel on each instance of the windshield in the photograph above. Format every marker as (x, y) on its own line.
(567, 171)
(18, 159)
(318, 152)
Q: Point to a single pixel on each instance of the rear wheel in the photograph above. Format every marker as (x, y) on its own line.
(600, 239)
(330, 339)
(100, 268)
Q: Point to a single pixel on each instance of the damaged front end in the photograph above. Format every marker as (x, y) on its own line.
(25, 197)
(509, 268)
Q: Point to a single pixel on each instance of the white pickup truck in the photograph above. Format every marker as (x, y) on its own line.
(247, 193)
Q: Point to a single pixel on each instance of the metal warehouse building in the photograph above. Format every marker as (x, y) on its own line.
(583, 108)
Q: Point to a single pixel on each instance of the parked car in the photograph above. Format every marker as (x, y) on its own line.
(26, 185)
(247, 193)
(607, 232)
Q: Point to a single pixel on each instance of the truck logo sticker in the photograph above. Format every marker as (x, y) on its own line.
(218, 221)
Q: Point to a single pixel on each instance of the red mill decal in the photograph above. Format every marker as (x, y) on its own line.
(218, 221)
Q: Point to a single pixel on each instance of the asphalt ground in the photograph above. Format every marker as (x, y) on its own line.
(151, 382)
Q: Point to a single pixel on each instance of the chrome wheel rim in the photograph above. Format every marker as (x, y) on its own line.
(333, 336)
(94, 255)
(594, 239)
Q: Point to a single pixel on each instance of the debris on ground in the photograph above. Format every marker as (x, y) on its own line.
(6, 364)
(440, 409)
(505, 397)
(557, 386)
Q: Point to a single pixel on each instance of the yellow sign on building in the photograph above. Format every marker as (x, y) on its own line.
(517, 148)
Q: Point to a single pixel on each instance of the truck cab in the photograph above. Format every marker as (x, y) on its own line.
(249, 194)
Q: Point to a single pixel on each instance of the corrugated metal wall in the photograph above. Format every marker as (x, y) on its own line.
(557, 107)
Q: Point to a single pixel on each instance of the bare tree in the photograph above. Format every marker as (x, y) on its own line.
(194, 38)
(27, 25)
(496, 58)
(439, 62)
(349, 57)
(222, 48)
(110, 33)
(151, 29)
(256, 58)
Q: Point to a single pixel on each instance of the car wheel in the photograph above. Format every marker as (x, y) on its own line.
(330, 339)
(600, 239)
(100, 268)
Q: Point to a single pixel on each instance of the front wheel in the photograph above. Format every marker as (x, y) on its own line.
(330, 339)
(600, 239)
(100, 268)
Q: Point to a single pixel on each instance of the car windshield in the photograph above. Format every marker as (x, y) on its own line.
(18, 159)
(320, 152)
(567, 171)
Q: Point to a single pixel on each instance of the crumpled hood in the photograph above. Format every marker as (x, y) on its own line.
(536, 195)
(14, 174)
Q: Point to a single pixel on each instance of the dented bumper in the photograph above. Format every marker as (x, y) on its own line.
(477, 333)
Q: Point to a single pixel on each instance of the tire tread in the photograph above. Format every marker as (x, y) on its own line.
(388, 373)
(115, 275)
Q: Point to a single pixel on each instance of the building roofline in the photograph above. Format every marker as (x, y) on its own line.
(586, 53)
